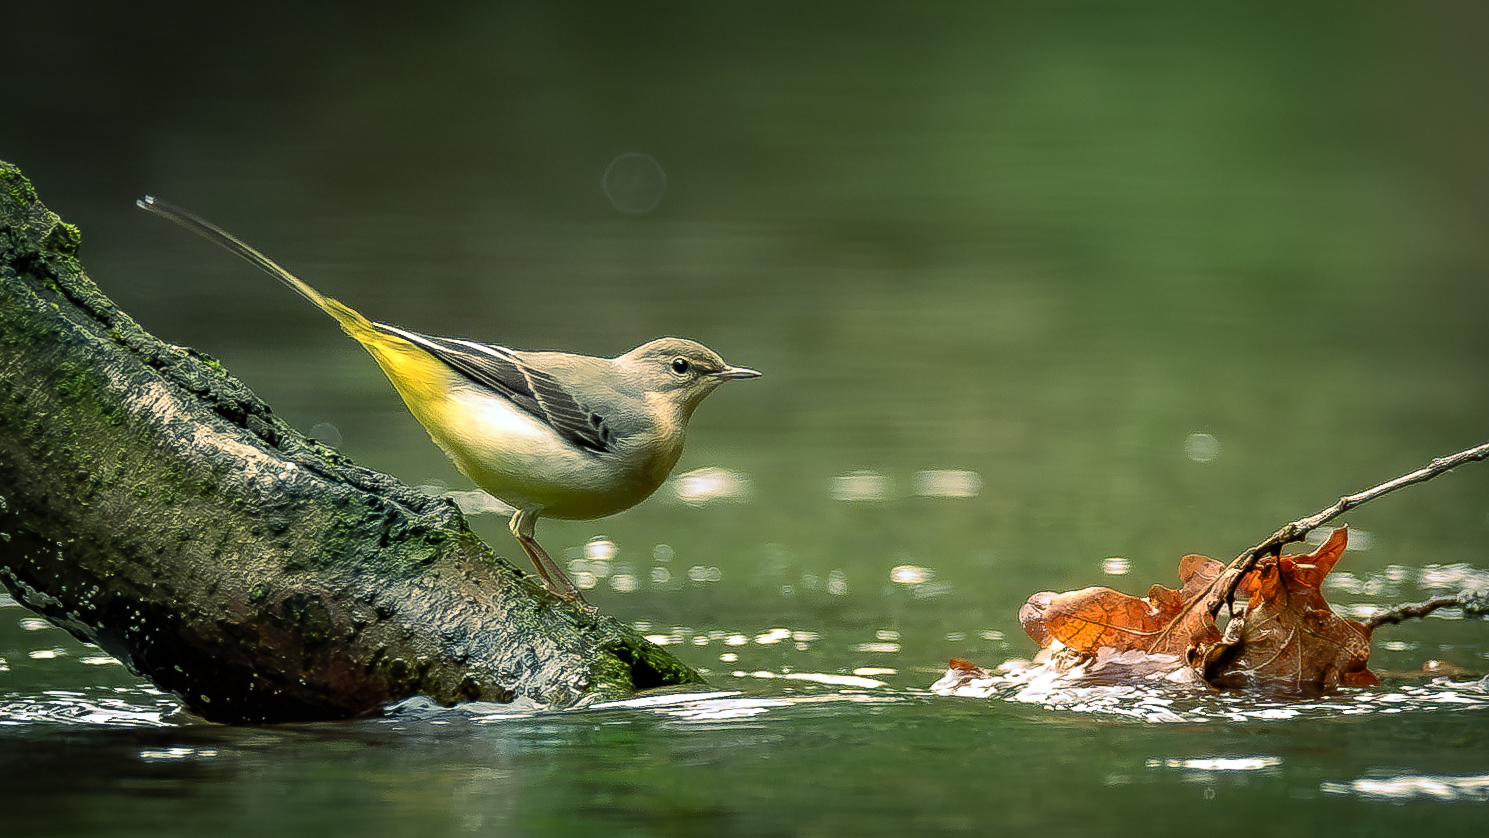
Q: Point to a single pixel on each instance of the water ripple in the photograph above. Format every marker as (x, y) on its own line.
(1402, 788)
(124, 707)
(1159, 699)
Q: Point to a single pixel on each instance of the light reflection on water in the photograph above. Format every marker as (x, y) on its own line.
(764, 689)
(763, 694)
(1162, 701)
(1401, 788)
(129, 707)
(1432, 669)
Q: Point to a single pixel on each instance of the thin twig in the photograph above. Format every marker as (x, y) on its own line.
(1224, 587)
(1411, 611)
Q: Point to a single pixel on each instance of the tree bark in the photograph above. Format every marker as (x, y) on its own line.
(153, 505)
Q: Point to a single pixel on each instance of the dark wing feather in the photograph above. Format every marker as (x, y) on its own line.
(534, 391)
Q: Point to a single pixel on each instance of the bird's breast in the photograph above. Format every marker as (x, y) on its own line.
(524, 462)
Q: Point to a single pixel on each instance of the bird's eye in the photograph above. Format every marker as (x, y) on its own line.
(681, 366)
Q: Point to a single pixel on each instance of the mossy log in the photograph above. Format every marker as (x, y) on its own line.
(153, 505)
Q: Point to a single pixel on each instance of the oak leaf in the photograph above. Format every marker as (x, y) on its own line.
(1286, 640)
(1289, 639)
(1164, 622)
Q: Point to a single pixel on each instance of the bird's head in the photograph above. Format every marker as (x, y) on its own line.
(681, 371)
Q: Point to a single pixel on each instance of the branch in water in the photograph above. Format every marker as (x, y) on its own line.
(1473, 603)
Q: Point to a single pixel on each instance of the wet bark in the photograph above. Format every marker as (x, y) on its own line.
(153, 505)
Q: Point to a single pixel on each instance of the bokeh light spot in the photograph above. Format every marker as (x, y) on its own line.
(634, 182)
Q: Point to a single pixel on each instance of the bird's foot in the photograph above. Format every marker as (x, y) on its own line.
(554, 579)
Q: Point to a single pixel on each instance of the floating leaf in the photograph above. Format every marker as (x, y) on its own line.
(1164, 622)
(1289, 639)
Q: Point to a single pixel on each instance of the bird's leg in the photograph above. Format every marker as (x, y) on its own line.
(554, 579)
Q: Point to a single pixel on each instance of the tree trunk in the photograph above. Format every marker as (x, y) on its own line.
(153, 505)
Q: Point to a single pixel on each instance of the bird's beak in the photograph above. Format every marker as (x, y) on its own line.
(736, 372)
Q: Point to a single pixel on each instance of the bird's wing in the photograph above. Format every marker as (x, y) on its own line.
(499, 371)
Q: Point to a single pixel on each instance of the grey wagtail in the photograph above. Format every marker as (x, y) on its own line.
(550, 433)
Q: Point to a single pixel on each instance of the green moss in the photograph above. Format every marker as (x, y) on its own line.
(17, 188)
(72, 380)
(65, 239)
(628, 664)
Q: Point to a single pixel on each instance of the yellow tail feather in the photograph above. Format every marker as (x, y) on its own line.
(421, 379)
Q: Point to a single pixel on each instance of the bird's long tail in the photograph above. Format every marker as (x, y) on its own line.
(350, 320)
(418, 376)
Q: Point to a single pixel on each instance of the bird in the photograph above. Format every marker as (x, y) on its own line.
(551, 434)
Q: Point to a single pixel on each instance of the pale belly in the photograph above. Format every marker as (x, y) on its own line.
(524, 463)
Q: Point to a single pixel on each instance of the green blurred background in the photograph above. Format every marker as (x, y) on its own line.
(1034, 286)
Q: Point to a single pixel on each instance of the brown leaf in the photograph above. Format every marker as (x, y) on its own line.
(1189, 624)
(1031, 617)
(1093, 618)
(967, 667)
(1289, 639)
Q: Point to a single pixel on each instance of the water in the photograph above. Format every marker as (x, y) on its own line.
(1044, 298)
(95, 753)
